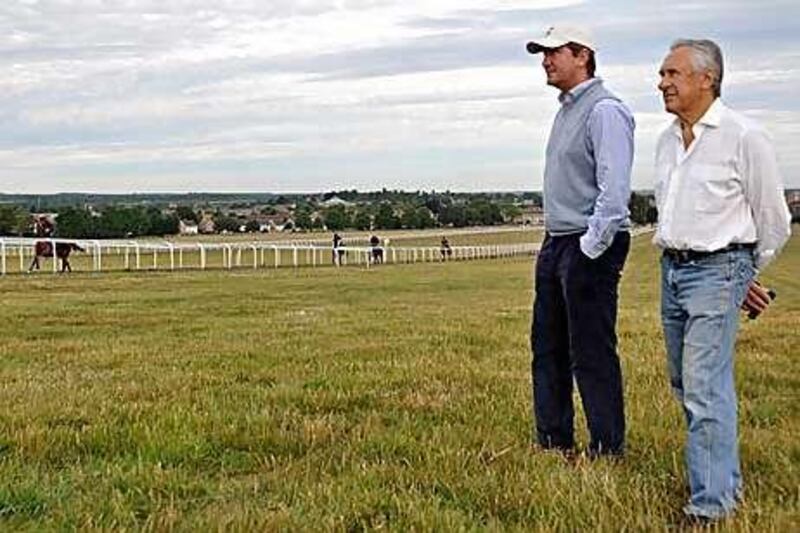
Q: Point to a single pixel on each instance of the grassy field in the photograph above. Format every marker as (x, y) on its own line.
(347, 399)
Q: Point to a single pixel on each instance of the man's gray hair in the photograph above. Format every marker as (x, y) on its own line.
(706, 55)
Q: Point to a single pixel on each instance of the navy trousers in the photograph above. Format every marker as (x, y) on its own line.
(573, 336)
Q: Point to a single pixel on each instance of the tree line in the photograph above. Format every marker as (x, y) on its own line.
(383, 210)
(113, 222)
(385, 215)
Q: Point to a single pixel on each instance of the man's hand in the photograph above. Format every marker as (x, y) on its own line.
(756, 300)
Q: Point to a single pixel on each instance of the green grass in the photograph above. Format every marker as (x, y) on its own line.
(347, 399)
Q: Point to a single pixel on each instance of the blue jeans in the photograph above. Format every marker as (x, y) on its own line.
(700, 302)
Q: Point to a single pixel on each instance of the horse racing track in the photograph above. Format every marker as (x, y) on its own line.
(18, 255)
(351, 399)
(27, 255)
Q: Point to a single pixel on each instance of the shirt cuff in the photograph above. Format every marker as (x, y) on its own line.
(763, 258)
(591, 246)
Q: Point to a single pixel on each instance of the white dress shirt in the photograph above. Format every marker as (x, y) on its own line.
(724, 189)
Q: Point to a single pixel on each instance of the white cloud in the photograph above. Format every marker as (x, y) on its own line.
(303, 95)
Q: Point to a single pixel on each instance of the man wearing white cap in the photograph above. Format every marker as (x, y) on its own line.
(586, 192)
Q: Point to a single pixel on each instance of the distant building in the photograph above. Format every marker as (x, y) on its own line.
(276, 222)
(188, 227)
(531, 215)
(206, 225)
(335, 200)
(49, 216)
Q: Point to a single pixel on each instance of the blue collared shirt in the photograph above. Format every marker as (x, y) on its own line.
(609, 135)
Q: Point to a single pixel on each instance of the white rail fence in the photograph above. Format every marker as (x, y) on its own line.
(107, 255)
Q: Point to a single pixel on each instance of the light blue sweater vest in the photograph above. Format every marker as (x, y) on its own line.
(570, 185)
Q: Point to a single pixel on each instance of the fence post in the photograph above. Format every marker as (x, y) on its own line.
(171, 256)
(255, 256)
(202, 256)
(294, 255)
(96, 264)
(277, 256)
(2, 257)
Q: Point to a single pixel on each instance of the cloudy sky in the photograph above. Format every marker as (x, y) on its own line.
(314, 95)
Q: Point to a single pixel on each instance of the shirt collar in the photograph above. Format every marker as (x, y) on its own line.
(569, 97)
(712, 117)
(713, 114)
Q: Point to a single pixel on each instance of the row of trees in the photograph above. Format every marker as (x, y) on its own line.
(411, 211)
(114, 222)
(397, 197)
(77, 222)
(81, 223)
(14, 220)
(385, 216)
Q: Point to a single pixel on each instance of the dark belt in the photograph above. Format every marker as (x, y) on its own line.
(684, 256)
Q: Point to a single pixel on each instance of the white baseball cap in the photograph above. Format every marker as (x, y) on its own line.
(556, 36)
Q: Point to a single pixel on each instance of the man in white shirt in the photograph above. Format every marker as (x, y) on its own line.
(722, 216)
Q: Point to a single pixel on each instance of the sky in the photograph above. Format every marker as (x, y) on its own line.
(127, 96)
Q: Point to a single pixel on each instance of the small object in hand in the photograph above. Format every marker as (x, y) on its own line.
(753, 314)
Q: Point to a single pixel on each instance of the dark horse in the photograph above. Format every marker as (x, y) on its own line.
(45, 249)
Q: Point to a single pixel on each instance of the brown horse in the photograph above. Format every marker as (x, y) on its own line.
(45, 249)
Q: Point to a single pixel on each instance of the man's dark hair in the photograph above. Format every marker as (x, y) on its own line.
(591, 65)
